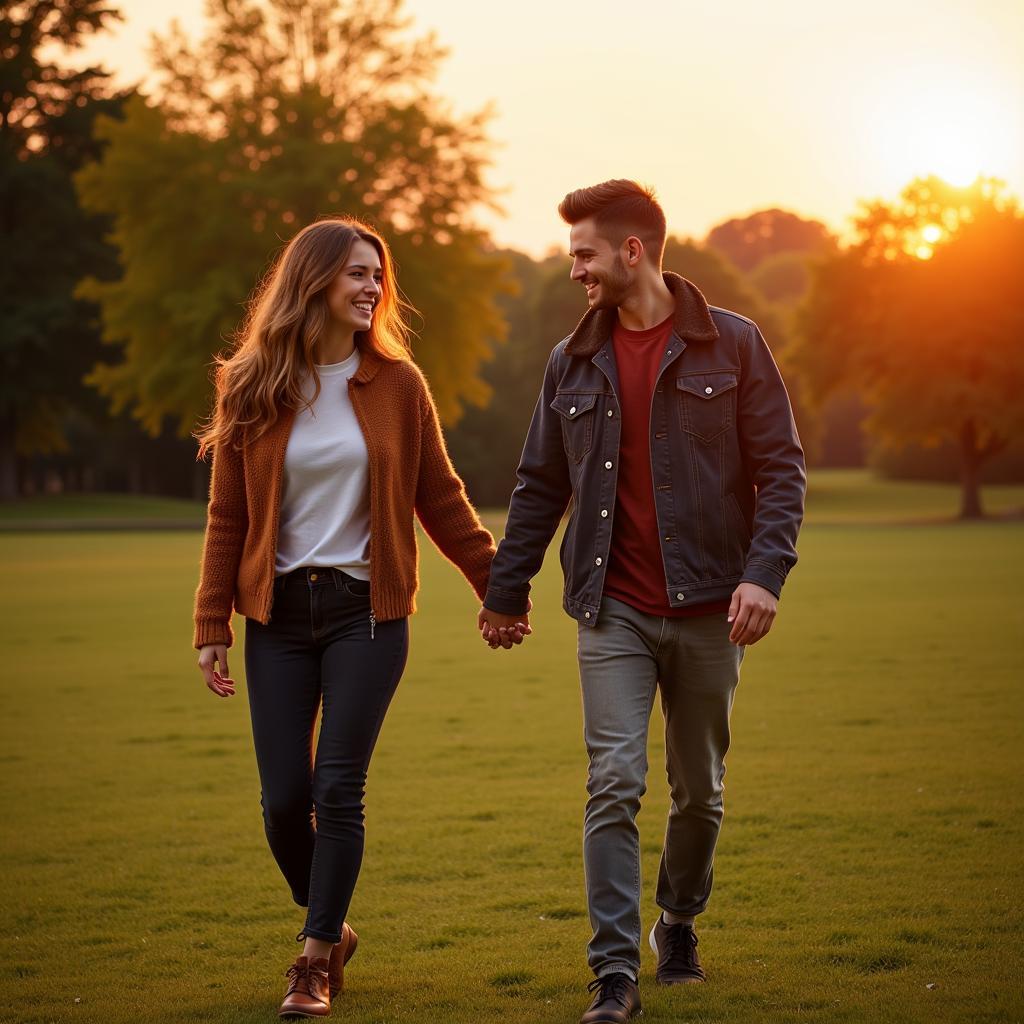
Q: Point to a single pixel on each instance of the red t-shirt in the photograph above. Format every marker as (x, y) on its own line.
(636, 572)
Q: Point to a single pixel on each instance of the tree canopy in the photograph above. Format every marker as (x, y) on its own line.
(287, 110)
(922, 314)
(48, 339)
(750, 240)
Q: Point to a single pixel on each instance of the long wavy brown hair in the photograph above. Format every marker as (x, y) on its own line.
(285, 315)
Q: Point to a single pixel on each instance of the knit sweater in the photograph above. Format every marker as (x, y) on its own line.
(410, 472)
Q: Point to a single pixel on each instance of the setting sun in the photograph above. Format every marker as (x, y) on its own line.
(932, 123)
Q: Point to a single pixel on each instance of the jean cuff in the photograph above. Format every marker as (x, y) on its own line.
(312, 933)
(633, 972)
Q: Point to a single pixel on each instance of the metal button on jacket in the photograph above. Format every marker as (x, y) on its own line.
(679, 597)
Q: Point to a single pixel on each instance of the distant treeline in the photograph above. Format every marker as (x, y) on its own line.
(135, 226)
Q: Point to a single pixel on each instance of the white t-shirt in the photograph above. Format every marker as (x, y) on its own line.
(325, 503)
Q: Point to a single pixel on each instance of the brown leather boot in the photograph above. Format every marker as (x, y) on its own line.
(309, 991)
(343, 951)
(616, 1000)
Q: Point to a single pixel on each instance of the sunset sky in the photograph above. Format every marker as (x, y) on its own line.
(725, 108)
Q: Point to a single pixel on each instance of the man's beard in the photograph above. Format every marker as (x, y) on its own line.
(614, 286)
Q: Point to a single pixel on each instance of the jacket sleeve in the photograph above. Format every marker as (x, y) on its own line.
(444, 509)
(227, 521)
(774, 461)
(538, 502)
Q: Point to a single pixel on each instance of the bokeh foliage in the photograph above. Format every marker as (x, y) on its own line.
(922, 315)
(285, 112)
(48, 339)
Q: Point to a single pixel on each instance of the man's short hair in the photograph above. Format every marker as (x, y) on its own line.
(620, 208)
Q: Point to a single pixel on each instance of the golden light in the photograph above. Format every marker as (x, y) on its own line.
(922, 243)
(937, 121)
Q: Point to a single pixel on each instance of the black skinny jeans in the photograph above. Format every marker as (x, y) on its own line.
(319, 647)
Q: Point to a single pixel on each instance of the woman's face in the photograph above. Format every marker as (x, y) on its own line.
(353, 295)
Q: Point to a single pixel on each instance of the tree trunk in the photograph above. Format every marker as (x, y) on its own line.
(8, 459)
(971, 458)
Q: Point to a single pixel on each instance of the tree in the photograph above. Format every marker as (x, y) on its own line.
(485, 444)
(784, 277)
(922, 314)
(722, 285)
(747, 241)
(48, 339)
(287, 110)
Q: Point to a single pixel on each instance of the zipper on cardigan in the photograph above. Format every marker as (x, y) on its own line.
(373, 623)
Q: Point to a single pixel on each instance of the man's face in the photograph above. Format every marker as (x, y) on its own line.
(599, 266)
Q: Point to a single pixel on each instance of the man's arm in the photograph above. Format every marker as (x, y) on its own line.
(536, 507)
(774, 461)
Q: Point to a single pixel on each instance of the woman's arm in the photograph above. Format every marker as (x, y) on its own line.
(227, 521)
(444, 509)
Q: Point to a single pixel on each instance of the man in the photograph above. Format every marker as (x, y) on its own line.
(666, 422)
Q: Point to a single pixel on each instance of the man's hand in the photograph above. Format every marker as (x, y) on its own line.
(503, 630)
(751, 613)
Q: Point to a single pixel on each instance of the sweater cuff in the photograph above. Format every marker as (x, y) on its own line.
(478, 580)
(213, 631)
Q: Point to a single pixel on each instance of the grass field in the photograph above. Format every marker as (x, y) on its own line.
(98, 511)
(869, 869)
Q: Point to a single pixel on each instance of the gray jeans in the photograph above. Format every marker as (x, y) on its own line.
(623, 661)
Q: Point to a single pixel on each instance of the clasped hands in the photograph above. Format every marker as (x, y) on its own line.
(500, 630)
(751, 612)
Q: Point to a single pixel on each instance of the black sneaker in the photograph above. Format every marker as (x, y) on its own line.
(617, 999)
(675, 946)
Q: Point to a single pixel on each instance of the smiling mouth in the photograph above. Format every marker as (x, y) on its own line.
(365, 307)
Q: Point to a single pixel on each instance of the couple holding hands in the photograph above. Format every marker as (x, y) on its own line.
(663, 420)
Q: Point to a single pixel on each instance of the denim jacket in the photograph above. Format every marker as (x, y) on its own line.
(727, 464)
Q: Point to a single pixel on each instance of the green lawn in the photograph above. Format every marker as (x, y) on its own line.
(869, 870)
(91, 511)
(856, 497)
(834, 496)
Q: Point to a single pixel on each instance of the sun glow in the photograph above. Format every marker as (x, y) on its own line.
(931, 122)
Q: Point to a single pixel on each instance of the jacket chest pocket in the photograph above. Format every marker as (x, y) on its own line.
(707, 403)
(576, 412)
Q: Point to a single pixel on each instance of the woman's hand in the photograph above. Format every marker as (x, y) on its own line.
(220, 682)
(504, 630)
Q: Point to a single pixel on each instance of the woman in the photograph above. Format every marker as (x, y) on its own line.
(325, 441)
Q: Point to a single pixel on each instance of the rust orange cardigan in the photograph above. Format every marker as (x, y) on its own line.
(410, 472)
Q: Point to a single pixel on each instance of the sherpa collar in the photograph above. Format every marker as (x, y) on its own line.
(692, 320)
